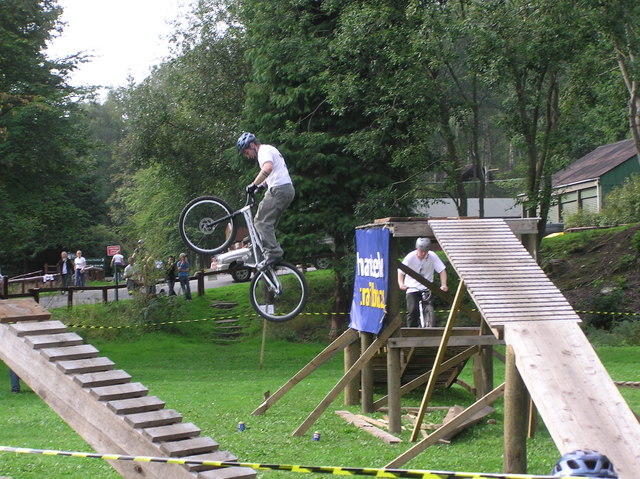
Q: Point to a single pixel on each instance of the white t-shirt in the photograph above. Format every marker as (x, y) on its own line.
(424, 268)
(280, 174)
(118, 259)
(80, 263)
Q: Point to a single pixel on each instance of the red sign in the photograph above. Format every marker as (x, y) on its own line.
(111, 250)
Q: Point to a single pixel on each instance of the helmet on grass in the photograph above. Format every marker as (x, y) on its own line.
(245, 140)
(585, 463)
(423, 244)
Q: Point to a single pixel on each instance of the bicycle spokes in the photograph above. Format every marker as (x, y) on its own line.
(279, 293)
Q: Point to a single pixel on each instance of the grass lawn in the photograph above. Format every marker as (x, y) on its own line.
(218, 385)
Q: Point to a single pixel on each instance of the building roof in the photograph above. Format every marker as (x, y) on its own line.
(595, 164)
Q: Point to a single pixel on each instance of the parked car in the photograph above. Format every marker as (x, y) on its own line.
(235, 259)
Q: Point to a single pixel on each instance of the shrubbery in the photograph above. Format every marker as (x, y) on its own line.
(622, 206)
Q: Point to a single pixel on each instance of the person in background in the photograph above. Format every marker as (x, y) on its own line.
(183, 268)
(170, 275)
(130, 275)
(423, 262)
(275, 176)
(117, 263)
(65, 269)
(79, 264)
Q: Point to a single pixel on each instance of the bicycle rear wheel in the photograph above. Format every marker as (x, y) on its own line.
(279, 293)
(207, 225)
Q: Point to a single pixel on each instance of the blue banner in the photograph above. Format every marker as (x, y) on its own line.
(370, 285)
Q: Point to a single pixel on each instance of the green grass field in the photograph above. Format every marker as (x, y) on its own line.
(218, 385)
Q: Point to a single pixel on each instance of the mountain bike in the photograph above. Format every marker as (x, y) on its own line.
(208, 226)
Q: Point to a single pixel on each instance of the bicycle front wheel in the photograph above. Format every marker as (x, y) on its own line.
(207, 225)
(279, 293)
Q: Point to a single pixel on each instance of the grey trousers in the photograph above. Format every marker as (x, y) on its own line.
(269, 212)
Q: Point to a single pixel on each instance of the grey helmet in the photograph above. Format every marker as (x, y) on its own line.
(585, 463)
(245, 140)
(423, 244)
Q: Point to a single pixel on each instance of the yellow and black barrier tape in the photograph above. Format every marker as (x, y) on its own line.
(338, 471)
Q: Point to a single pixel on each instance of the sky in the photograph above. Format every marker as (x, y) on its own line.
(125, 37)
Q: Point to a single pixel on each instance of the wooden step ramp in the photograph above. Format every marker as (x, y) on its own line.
(578, 401)
(101, 403)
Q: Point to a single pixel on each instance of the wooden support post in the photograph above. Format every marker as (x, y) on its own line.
(4, 283)
(394, 372)
(366, 375)
(516, 411)
(352, 389)
(483, 366)
(200, 278)
(36, 294)
(105, 295)
(70, 298)
(438, 360)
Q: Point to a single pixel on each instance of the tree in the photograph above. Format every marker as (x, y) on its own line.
(334, 166)
(619, 22)
(525, 48)
(44, 171)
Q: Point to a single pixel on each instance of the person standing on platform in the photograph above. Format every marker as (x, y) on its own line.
(425, 263)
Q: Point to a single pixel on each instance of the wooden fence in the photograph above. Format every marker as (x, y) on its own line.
(35, 292)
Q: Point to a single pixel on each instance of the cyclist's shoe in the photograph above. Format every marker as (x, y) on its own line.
(265, 263)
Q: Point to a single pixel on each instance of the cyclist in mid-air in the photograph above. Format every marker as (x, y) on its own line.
(275, 175)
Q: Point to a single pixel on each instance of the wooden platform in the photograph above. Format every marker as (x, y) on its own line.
(580, 404)
(111, 413)
(419, 348)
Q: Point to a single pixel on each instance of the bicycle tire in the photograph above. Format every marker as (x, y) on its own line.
(201, 227)
(286, 305)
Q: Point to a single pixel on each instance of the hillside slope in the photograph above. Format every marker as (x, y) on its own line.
(597, 271)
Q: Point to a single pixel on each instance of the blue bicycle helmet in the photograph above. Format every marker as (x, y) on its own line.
(245, 140)
(585, 463)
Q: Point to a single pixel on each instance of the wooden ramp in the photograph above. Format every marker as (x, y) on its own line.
(111, 413)
(581, 406)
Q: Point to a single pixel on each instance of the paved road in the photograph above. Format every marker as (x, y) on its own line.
(95, 296)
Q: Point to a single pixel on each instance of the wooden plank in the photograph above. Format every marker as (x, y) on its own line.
(345, 339)
(79, 366)
(434, 342)
(83, 351)
(136, 405)
(172, 432)
(37, 327)
(59, 340)
(368, 428)
(13, 310)
(228, 473)
(119, 391)
(162, 417)
(219, 456)
(102, 378)
(559, 366)
(189, 447)
(441, 433)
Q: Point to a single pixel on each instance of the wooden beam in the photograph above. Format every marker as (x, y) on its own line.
(438, 359)
(344, 340)
(355, 369)
(369, 428)
(423, 378)
(447, 428)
